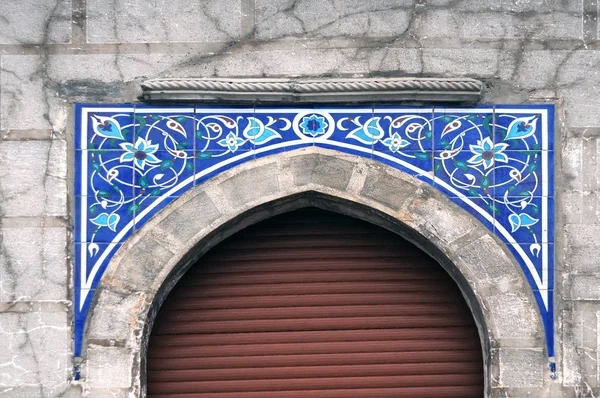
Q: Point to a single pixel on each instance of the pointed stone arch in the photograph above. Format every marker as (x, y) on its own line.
(150, 263)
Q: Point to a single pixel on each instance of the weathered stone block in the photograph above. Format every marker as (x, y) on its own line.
(33, 264)
(22, 95)
(576, 82)
(35, 351)
(478, 63)
(60, 391)
(579, 208)
(431, 218)
(134, 21)
(581, 248)
(189, 218)
(35, 22)
(447, 23)
(510, 6)
(481, 258)
(389, 191)
(580, 158)
(251, 185)
(537, 69)
(321, 170)
(109, 393)
(522, 367)
(276, 19)
(111, 367)
(516, 311)
(399, 60)
(580, 327)
(115, 320)
(32, 178)
(139, 264)
(585, 287)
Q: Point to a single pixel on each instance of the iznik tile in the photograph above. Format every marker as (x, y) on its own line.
(496, 162)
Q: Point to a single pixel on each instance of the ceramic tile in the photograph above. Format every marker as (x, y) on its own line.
(163, 171)
(523, 219)
(358, 131)
(456, 129)
(226, 131)
(108, 130)
(274, 129)
(498, 165)
(523, 175)
(108, 175)
(93, 253)
(404, 132)
(528, 128)
(82, 299)
(105, 218)
(460, 174)
(173, 132)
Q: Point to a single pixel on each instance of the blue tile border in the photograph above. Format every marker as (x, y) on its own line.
(496, 162)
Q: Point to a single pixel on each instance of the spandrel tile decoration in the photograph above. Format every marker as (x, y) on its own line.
(496, 162)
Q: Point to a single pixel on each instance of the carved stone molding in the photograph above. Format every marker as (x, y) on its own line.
(314, 91)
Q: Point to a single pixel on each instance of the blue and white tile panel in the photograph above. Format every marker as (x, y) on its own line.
(496, 162)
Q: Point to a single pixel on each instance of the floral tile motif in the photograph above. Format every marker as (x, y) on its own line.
(496, 162)
(108, 130)
(470, 178)
(404, 133)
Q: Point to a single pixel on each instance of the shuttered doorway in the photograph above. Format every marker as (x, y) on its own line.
(315, 304)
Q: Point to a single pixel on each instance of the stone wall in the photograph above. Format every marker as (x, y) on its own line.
(57, 52)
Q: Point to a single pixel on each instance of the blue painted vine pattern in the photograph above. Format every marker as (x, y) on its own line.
(497, 164)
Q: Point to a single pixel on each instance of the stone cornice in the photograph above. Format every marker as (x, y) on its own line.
(462, 90)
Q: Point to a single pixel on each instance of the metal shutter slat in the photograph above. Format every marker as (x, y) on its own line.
(314, 304)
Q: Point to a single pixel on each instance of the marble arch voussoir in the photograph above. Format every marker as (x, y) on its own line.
(150, 262)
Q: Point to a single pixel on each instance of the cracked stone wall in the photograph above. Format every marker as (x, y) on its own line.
(57, 52)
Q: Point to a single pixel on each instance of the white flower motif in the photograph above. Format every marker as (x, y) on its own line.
(232, 142)
(140, 153)
(487, 153)
(395, 142)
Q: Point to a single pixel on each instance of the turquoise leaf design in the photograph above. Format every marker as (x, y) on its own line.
(133, 208)
(422, 155)
(461, 164)
(521, 220)
(373, 128)
(493, 208)
(521, 127)
(107, 220)
(165, 165)
(258, 133)
(485, 182)
(107, 127)
(532, 167)
(266, 136)
(143, 182)
(369, 133)
(360, 135)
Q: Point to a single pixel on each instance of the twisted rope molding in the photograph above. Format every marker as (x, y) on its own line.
(345, 90)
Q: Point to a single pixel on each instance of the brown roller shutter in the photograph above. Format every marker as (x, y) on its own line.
(315, 304)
